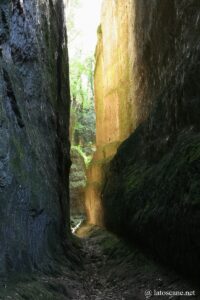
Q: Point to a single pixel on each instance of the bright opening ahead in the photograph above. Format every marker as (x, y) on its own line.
(82, 23)
(83, 18)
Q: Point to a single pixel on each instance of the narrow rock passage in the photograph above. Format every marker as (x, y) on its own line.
(96, 284)
(114, 271)
(104, 268)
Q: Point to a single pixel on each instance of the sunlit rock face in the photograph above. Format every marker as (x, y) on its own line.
(151, 191)
(114, 94)
(34, 156)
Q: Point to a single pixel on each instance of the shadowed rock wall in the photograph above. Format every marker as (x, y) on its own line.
(34, 149)
(151, 192)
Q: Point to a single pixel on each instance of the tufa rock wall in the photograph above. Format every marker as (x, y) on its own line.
(34, 148)
(151, 191)
(114, 95)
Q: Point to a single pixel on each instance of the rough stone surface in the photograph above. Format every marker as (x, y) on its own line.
(151, 192)
(34, 150)
(77, 182)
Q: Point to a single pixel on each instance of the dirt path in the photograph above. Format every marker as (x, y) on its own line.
(96, 285)
(114, 271)
(101, 267)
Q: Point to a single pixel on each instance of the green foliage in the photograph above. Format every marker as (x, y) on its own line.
(82, 103)
(87, 158)
(82, 129)
(81, 76)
